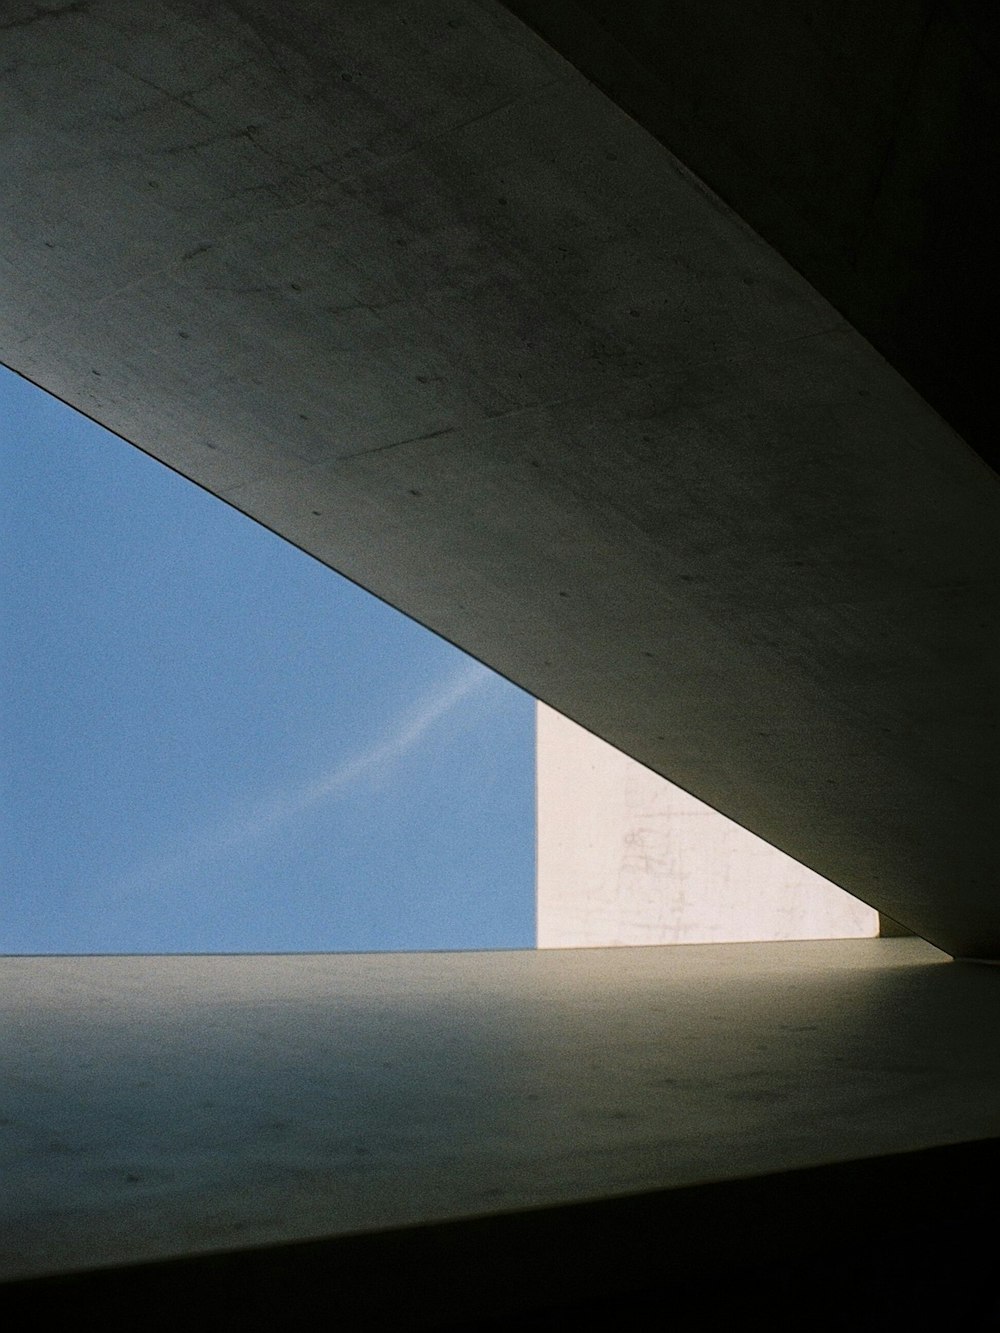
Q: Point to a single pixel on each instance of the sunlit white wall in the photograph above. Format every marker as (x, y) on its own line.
(625, 857)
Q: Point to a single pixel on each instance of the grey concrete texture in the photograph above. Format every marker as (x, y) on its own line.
(152, 1107)
(399, 283)
(851, 136)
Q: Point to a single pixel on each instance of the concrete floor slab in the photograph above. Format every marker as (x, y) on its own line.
(167, 1106)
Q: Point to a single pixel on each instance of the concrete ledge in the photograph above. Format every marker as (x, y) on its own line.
(155, 1108)
(795, 1247)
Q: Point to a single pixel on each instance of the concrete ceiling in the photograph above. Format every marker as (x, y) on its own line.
(403, 285)
(852, 137)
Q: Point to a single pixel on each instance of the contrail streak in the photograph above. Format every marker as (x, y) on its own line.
(269, 813)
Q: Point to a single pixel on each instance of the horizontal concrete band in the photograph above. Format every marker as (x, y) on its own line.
(160, 1107)
(894, 1238)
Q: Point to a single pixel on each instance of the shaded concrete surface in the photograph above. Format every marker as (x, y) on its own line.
(851, 136)
(158, 1107)
(399, 283)
(888, 1242)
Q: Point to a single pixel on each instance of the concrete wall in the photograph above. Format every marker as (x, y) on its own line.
(625, 857)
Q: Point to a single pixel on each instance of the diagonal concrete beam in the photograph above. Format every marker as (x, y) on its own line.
(400, 284)
(851, 137)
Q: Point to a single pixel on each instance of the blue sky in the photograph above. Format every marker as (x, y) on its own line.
(210, 742)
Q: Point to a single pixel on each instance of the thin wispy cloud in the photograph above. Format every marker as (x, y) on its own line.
(379, 757)
(267, 815)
